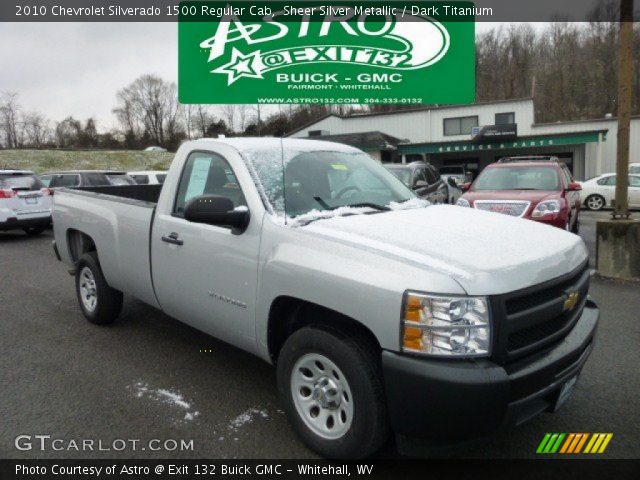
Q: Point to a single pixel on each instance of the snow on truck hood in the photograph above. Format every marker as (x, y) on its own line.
(486, 253)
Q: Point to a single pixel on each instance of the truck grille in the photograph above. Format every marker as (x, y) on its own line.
(507, 207)
(536, 317)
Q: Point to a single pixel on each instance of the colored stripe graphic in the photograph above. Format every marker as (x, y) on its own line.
(543, 443)
(573, 443)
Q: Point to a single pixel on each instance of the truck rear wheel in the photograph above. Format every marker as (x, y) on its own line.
(100, 303)
(331, 386)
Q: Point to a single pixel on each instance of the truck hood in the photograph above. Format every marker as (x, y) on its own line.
(486, 253)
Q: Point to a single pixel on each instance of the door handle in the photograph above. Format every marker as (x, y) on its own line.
(172, 238)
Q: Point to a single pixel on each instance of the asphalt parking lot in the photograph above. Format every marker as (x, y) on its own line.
(150, 377)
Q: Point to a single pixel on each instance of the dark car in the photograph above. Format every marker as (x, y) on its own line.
(422, 178)
(86, 178)
(534, 187)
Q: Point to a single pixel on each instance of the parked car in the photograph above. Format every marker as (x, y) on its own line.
(155, 148)
(534, 187)
(634, 168)
(25, 203)
(85, 178)
(600, 192)
(422, 178)
(151, 177)
(459, 173)
(380, 313)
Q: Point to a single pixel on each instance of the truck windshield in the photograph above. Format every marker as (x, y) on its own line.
(518, 178)
(303, 182)
(402, 174)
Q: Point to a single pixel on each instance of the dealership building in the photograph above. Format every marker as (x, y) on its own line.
(477, 135)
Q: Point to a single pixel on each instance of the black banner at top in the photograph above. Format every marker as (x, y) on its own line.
(169, 10)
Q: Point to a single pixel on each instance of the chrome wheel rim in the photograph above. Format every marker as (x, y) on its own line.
(595, 203)
(322, 396)
(88, 293)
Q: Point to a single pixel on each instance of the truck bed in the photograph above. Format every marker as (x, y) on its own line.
(118, 219)
(140, 193)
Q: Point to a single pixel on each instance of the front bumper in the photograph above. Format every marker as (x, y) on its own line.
(454, 400)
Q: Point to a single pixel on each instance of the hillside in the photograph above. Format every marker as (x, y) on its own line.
(50, 160)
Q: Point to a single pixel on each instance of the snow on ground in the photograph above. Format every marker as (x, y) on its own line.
(247, 417)
(184, 410)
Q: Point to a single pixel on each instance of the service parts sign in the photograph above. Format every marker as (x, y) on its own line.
(326, 52)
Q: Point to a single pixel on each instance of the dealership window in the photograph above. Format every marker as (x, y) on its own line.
(460, 125)
(508, 118)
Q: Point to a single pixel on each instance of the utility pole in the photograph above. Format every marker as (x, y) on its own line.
(625, 82)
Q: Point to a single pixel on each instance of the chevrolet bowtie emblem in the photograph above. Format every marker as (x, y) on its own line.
(571, 301)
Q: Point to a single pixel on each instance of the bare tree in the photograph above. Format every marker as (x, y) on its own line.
(229, 113)
(149, 107)
(188, 113)
(202, 119)
(9, 118)
(244, 115)
(36, 129)
(67, 132)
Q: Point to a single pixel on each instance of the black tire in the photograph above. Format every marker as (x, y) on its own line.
(593, 205)
(576, 226)
(359, 362)
(32, 231)
(108, 303)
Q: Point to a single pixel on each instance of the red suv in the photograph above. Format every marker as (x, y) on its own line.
(536, 188)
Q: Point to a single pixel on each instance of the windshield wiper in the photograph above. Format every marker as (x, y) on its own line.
(323, 204)
(375, 206)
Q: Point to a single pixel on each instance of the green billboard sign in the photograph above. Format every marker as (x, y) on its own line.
(335, 52)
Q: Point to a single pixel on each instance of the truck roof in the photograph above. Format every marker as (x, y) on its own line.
(243, 144)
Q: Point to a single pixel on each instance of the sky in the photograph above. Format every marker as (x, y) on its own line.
(61, 69)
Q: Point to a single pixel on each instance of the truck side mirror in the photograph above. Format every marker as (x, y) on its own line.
(574, 187)
(216, 210)
(465, 186)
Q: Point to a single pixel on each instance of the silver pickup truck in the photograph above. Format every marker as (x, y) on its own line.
(382, 313)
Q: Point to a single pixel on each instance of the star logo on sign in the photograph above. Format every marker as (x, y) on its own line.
(240, 66)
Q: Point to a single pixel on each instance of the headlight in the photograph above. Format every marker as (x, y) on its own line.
(448, 326)
(463, 203)
(546, 208)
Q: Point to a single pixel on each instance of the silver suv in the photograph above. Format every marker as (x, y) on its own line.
(25, 203)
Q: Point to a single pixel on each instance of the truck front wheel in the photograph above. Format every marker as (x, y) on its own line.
(331, 386)
(100, 303)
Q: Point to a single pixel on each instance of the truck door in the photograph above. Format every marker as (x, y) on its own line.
(206, 275)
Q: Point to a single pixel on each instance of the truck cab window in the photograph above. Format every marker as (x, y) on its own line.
(207, 174)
